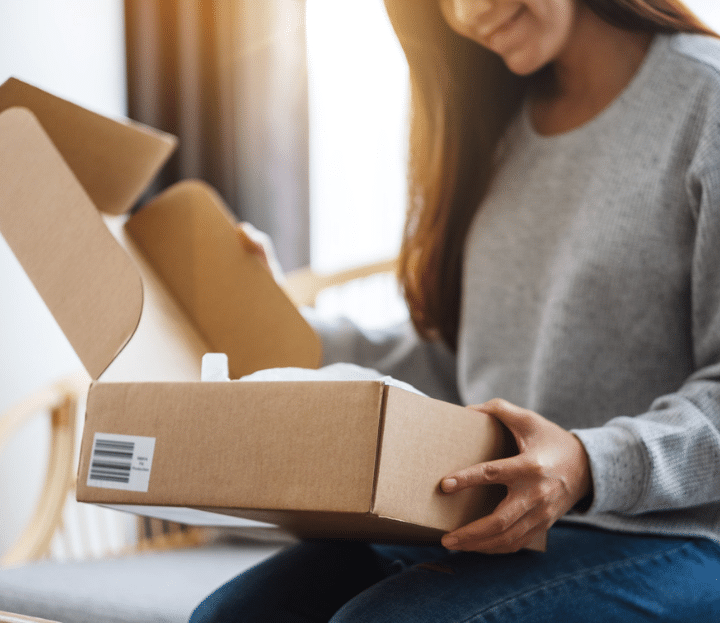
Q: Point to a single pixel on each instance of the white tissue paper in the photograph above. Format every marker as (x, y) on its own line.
(334, 372)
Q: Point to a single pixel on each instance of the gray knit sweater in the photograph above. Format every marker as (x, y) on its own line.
(591, 294)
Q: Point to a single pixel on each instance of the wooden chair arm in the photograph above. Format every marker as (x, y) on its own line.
(61, 400)
(8, 617)
(304, 285)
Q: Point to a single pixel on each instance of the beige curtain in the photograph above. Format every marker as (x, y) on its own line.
(229, 78)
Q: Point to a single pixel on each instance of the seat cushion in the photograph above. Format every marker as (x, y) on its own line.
(162, 587)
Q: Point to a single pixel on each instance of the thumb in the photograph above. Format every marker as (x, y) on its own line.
(521, 422)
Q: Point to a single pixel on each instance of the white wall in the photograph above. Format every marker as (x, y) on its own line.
(75, 49)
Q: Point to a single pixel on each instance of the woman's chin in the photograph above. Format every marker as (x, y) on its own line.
(523, 64)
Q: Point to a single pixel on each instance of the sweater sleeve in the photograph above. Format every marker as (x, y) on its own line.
(669, 457)
(397, 351)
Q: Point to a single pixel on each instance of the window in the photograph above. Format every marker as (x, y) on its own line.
(358, 90)
(358, 101)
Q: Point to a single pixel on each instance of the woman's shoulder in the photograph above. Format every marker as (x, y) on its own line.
(697, 53)
(686, 83)
(680, 104)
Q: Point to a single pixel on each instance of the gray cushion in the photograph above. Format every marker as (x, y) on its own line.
(160, 587)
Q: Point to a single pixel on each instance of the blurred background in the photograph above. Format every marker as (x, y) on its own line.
(294, 110)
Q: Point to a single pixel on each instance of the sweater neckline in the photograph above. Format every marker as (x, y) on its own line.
(612, 110)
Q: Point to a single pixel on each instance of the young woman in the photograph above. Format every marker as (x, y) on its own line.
(561, 253)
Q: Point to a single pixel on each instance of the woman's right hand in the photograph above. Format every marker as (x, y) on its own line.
(549, 476)
(260, 245)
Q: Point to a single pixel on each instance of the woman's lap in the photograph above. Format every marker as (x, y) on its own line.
(586, 575)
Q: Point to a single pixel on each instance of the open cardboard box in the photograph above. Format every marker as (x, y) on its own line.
(142, 298)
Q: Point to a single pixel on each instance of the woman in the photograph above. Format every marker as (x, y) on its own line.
(561, 253)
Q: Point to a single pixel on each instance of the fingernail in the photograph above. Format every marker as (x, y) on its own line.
(449, 484)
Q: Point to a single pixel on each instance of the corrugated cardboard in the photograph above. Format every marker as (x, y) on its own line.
(347, 458)
(350, 459)
(114, 160)
(192, 244)
(85, 277)
(86, 280)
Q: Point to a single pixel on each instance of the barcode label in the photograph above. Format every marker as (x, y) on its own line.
(121, 462)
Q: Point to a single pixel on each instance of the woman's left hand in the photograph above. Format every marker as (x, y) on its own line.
(549, 475)
(261, 246)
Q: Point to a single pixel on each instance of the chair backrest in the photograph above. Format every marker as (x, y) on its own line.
(60, 401)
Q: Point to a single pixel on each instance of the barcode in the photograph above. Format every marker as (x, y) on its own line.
(121, 462)
(112, 461)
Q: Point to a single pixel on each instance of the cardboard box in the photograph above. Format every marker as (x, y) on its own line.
(141, 299)
(354, 459)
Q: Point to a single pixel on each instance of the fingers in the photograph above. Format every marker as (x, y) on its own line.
(513, 525)
(548, 476)
(252, 240)
(520, 537)
(501, 471)
(522, 423)
(260, 244)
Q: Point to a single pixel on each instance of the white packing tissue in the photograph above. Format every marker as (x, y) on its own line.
(334, 372)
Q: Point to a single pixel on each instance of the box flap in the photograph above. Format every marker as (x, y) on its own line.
(113, 160)
(85, 278)
(297, 445)
(166, 345)
(424, 440)
(188, 236)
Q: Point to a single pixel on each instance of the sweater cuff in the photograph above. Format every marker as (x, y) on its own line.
(618, 467)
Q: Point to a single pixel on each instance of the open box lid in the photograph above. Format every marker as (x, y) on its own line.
(114, 160)
(85, 278)
(92, 287)
(188, 236)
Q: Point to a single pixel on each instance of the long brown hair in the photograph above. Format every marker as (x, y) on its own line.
(462, 99)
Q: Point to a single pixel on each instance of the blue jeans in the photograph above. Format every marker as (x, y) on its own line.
(587, 575)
